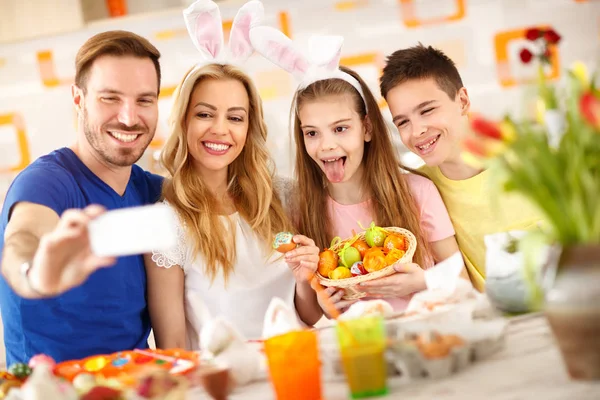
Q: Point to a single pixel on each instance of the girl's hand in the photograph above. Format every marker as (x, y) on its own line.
(333, 297)
(408, 279)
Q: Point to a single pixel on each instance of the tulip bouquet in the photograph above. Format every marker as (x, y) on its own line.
(563, 180)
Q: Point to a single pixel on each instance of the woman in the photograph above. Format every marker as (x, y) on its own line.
(229, 208)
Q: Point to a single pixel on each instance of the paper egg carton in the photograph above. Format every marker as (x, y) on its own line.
(436, 350)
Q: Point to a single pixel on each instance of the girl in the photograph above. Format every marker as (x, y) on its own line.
(348, 172)
(222, 189)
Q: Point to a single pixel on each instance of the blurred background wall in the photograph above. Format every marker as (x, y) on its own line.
(39, 40)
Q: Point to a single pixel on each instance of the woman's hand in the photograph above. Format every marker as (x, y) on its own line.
(304, 259)
(408, 279)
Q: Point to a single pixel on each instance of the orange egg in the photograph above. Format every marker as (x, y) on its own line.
(374, 260)
(393, 256)
(395, 241)
(361, 246)
(328, 261)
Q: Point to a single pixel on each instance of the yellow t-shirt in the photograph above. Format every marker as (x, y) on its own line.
(477, 208)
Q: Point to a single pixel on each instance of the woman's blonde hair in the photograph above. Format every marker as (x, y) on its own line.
(392, 203)
(250, 178)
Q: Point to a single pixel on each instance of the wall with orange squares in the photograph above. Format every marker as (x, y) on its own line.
(483, 37)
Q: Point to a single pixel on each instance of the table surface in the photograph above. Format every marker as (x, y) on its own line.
(529, 367)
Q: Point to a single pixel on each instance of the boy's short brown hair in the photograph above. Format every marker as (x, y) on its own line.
(420, 62)
(114, 43)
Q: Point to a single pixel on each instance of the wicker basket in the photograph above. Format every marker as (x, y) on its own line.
(350, 284)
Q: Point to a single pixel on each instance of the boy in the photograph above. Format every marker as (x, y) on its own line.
(429, 107)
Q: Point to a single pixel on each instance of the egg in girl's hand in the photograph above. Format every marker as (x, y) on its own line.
(283, 242)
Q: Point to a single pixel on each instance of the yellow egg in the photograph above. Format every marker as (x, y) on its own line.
(340, 273)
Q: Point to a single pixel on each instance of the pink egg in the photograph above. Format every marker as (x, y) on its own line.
(41, 359)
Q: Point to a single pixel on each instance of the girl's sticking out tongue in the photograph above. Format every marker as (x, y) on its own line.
(335, 169)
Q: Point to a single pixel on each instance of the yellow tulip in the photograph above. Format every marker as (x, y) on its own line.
(495, 147)
(540, 110)
(509, 133)
(579, 69)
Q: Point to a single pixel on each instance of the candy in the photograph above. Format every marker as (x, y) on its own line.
(358, 269)
(20, 370)
(283, 242)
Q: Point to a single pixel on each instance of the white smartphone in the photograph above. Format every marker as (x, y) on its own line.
(133, 230)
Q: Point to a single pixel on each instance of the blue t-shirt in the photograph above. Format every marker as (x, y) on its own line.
(108, 312)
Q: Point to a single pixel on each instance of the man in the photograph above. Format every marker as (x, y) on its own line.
(430, 106)
(56, 297)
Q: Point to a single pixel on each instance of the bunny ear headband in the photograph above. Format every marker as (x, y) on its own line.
(205, 27)
(322, 63)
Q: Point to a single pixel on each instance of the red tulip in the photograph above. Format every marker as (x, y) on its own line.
(533, 34)
(551, 36)
(526, 56)
(590, 109)
(486, 128)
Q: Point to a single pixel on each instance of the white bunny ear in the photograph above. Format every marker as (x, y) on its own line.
(326, 51)
(205, 26)
(248, 17)
(279, 319)
(279, 49)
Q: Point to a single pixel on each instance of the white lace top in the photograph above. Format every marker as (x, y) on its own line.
(257, 277)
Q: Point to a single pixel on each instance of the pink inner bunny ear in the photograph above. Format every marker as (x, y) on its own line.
(204, 25)
(249, 16)
(209, 34)
(278, 48)
(287, 58)
(239, 38)
(335, 61)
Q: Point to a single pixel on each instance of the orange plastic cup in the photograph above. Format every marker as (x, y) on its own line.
(294, 365)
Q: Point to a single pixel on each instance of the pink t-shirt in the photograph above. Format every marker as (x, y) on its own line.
(435, 221)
